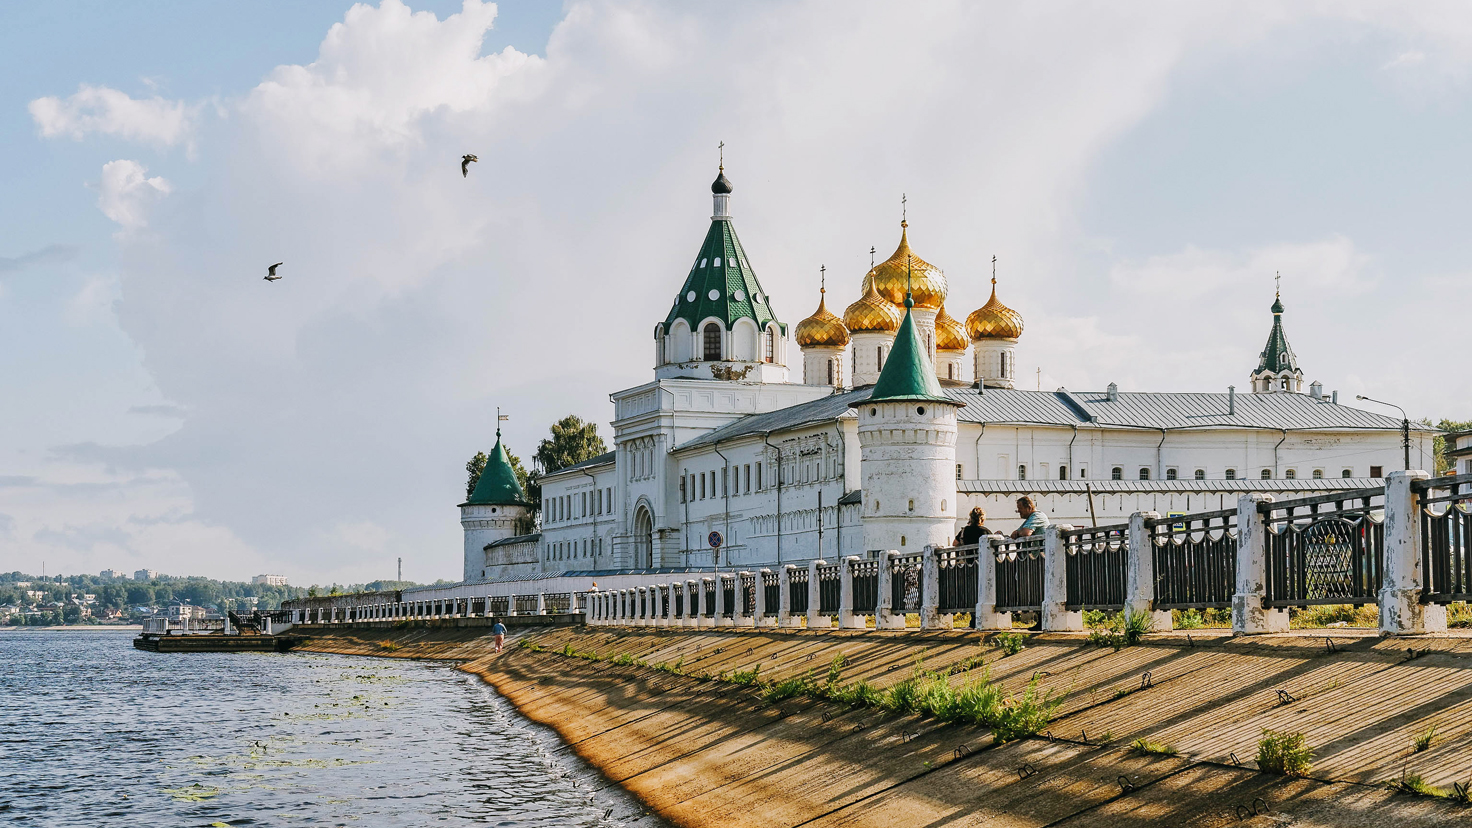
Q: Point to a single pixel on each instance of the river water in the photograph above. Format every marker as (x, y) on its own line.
(96, 733)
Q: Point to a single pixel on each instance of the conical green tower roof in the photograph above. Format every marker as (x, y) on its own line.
(722, 283)
(907, 374)
(1277, 355)
(497, 485)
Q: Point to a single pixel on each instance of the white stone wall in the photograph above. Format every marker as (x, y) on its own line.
(865, 356)
(988, 356)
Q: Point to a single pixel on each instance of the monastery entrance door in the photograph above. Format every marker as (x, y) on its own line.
(643, 539)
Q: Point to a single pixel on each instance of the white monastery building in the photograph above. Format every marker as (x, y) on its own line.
(898, 421)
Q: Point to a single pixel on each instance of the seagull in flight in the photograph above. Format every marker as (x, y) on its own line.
(271, 272)
(465, 165)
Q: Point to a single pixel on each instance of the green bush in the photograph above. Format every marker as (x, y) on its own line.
(1012, 643)
(1281, 752)
(1147, 747)
(746, 678)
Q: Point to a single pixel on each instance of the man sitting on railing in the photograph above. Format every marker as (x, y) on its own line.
(1033, 521)
(974, 530)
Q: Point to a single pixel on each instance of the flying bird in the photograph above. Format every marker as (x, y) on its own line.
(271, 272)
(465, 165)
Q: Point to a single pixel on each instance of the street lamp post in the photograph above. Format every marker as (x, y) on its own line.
(1405, 426)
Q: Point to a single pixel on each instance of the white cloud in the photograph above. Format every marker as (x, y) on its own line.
(125, 192)
(106, 111)
(1332, 264)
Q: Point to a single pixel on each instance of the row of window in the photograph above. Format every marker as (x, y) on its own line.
(1117, 473)
(567, 550)
(579, 505)
(744, 479)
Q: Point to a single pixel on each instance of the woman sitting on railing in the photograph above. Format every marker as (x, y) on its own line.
(974, 530)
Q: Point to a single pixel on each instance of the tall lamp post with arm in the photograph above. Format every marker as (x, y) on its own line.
(1405, 426)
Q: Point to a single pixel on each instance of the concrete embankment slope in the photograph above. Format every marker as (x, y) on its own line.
(707, 753)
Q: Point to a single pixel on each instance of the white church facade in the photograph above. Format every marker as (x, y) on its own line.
(904, 419)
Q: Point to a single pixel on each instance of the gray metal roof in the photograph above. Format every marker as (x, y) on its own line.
(604, 459)
(1103, 487)
(532, 538)
(1129, 410)
(813, 411)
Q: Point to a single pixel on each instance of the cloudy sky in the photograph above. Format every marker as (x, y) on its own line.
(1140, 169)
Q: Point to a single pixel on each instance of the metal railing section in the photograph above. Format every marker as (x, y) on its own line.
(728, 595)
(866, 586)
(1195, 559)
(1325, 549)
(1095, 567)
(830, 589)
(1446, 538)
(797, 591)
(771, 593)
(905, 582)
(1019, 574)
(958, 578)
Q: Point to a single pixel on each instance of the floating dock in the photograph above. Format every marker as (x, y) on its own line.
(215, 643)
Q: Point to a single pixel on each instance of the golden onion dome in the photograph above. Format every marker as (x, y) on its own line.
(822, 329)
(926, 281)
(872, 314)
(994, 320)
(950, 335)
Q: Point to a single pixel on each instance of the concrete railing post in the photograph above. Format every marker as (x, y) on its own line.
(930, 617)
(784, 596)
(644, 605)
(986, 615)
(1401, 610)
(541, 603)
(1139, 578)
(846, 618)
(816, 619)
(1056, 616)
(884, 614)
(670, 620)
(1249, 616)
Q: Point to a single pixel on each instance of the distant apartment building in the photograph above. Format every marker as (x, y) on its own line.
(110, 573)
(269, 580)
(145, 575)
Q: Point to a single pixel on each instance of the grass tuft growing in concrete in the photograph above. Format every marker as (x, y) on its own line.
(1147, 747)
(1284, 753)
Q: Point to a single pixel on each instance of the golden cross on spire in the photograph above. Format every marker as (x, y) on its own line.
(722, 147)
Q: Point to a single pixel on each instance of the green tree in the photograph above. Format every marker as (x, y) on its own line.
(1441, 447)
(571, 442)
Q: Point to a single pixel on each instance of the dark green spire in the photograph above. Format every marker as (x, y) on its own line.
(497, 485)
(1277, 356)
(722, 283)
(907, 374)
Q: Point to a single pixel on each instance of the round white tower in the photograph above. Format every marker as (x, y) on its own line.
(497, 509)
(907, 439)
(994, 329)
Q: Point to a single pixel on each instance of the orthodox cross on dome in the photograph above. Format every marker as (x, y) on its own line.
(823, 278)
(904, 210)
(722, 148)
(871, 257)
(1278, 283)
(994, 268)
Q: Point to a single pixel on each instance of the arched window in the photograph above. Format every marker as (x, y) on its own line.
(712, 334)
(951, 371)
(830, 372)
(1267, 474)
(1170, 474)
(1144, 473)
(1318, 474)
(1347, 473)
(771, 345)
(1116, 473)
(1291, 474)
(1022, 472)
(1201, 474)
(1231, 474)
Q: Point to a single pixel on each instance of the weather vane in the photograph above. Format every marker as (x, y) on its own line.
(500, 418)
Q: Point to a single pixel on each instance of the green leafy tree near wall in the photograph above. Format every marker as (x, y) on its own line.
(477, 465)
(1441, 446)
(572, 440)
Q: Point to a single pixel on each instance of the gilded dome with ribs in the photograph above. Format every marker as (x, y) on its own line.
(872, 313)
(822, 329)
(950, 335)
(994, 320)
(904, 268)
